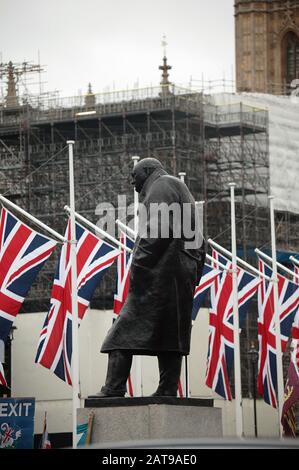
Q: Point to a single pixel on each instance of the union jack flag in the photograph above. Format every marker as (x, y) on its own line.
(94, 256)
(221, 328)
(295, 342)
(296, 272)
(288, 301)
(124, 262)
(291, 392)
(23, 253)
(208, 278)
(2, 376)
(209, 275)
(295, 328)
(123, 274)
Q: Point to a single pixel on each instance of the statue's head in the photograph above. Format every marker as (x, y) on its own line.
(142, 170)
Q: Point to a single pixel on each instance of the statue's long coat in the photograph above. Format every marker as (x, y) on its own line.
(157, 313)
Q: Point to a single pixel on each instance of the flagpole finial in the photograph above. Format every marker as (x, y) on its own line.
(70, 142)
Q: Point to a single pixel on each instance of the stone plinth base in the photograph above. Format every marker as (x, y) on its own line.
(137, 419)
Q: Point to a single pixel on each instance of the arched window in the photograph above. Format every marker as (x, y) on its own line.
(291, 57)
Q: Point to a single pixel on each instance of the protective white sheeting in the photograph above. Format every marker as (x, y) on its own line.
(283, 143)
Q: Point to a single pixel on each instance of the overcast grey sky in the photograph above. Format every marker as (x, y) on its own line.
(115, 43)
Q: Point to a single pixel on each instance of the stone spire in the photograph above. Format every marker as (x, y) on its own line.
(90, 99)
(11, 97)
(165, 67)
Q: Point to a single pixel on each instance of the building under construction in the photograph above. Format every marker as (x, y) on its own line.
(213, 145)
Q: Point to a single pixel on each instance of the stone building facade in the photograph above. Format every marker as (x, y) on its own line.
(267, 45)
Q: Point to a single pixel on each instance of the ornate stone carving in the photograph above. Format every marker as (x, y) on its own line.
(287, 21)
(279, 17)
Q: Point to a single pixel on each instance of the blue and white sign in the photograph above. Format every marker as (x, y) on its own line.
(17, 423)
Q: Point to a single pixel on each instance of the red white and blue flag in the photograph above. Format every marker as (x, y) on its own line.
(208, 279)
(295, 342)
(291, 392)
(94, 257)
(295, 328)
(2, 376)
(296, 274)
(23, 253)
(221, 329)
(124, 262)
(288, 302)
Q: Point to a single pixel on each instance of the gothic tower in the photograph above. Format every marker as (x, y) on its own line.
(267, 45)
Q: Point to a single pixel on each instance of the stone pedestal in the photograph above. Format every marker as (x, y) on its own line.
(138, 419)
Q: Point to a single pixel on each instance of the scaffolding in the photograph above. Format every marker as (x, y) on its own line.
(214, 145)
(237, 150)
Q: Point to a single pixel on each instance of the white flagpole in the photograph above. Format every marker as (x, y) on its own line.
(210, 258)
(127, 229)
(138, 365)
(133, 235)
(135, 159)
(75, 335)
(98, 230)
(281, 266)
(294, 260)
(280, 388)
(237, 365)
(182, 175)
(239, 260)
(296, 266)
(33, 219)
(215, 261)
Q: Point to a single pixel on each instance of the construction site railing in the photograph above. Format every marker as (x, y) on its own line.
(149, 98)
(235, 113)
(93, 146)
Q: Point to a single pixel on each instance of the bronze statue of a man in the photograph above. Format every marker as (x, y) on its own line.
(156, 317)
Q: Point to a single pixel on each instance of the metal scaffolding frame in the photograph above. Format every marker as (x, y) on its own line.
(144, 122)
(214, 145)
